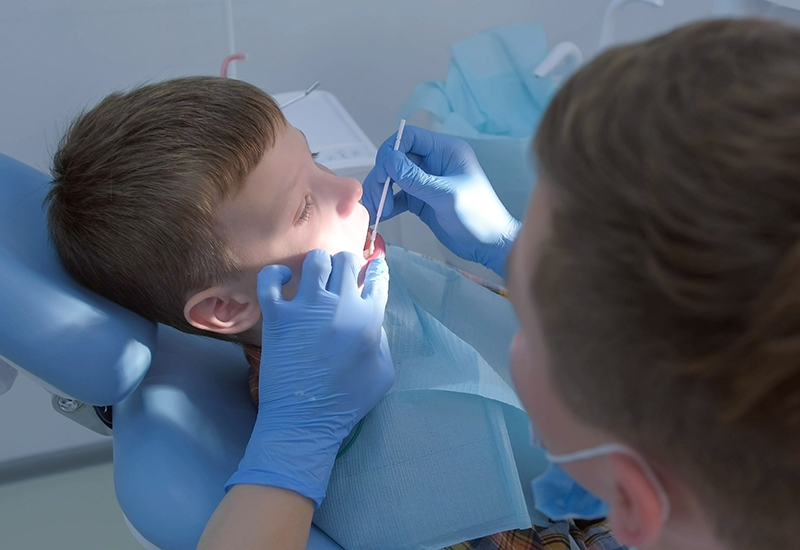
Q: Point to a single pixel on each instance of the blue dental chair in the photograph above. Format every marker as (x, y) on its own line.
(182, 414)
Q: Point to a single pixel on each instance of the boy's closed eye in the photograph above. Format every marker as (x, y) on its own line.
(305, 213)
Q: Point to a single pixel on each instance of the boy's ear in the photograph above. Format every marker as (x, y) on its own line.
(221, 310)
(637, 512)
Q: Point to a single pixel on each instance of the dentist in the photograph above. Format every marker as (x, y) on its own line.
(657, 283)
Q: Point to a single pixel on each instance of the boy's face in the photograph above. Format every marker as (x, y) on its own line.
(288, 206)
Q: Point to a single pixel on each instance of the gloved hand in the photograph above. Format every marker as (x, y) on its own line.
(444, 185)
(324, 364)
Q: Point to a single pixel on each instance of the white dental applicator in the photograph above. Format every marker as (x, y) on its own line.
(385, 190)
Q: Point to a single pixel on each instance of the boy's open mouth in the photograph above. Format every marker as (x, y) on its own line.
(379, 252)
(380, 247)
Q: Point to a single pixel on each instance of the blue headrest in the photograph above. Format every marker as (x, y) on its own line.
(74, 340)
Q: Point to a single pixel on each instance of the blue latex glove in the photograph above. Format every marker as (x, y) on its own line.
(324, 364)
(442, 183)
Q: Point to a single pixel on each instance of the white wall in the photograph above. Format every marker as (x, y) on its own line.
(579, 21)
(67, 54)
(63, 55)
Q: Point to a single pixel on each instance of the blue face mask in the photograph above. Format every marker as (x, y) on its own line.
(558, 496)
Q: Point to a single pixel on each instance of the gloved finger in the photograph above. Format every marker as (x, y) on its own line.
(388, 204)
(413, 179)
(428, 217)
(373, 183)
(417, 159)
(372, 189)
(344, 274)
(387, 373)
(380, 378)
(376, 284)
(419, 138)
(415, 205)
(418, 144)
(372, 203)
(269, 283)
(316, 271)
(415, 140)
(399, 205)
(439, 154)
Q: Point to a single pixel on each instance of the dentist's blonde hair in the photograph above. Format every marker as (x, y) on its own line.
(670, 285)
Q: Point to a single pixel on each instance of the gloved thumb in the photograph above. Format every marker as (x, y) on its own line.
(410, 177)
(376, 283)
(387, 376)
(270, 281)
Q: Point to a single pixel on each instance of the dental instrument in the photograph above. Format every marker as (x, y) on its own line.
(385, 189)
(301, 96)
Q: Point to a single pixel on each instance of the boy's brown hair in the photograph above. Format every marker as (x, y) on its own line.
(136, 185)
(670, 286)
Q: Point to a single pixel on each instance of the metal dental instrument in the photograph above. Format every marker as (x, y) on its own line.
(301, 96)
(385, 189)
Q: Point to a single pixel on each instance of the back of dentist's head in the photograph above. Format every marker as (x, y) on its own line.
(674, 166)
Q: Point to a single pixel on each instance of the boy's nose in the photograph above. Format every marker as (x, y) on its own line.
(350, 194)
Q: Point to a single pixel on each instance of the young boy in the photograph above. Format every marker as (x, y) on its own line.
(171, 198)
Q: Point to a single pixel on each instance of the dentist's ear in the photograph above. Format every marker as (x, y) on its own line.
(638, 511)
(222, 310)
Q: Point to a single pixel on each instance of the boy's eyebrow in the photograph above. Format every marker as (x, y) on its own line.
(285, 207)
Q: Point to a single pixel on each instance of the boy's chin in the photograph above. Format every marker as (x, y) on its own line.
(378, 252)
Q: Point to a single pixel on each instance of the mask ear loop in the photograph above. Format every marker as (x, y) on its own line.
(612, 448)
